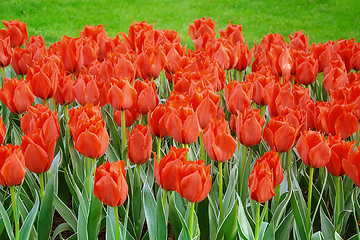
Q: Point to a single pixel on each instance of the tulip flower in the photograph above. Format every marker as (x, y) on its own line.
(88, 129)
(238, 96)
(139, 145)
(131, 115)
(193, 180)
(2, 131)
(206, 105)
(258, 83)
(16, 95)
(219, 143)
(273, 160)
(299, 41)
(5, 52)
(345, 50)
(351, 166)
(88, 89)
(278, 97)
(12, 165)
(249, 127)
(156, 120)
(233, 32)
(200, 27)
(121, 94)
(281, 60)
(322, 53)
(267, 41)
(225, 53)
(244, 55)
(147, 98)
(65, 93)
(166, 170)
(139, 33)
(261, 183)
(36, 47)
(313, 149)
(306, 70)
(335, 75)
(20, 60)
(17, 32)
(151, 62)
(110, 185)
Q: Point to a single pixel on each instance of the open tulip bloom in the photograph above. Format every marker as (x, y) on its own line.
(72, 138)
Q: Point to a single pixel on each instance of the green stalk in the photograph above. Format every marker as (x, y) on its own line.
(143, 120)
(311, 176)
(337, 207)
(3, 77)
(66, 114)
(228, 75)
(357, 137)
(243, 168)
(164, 198)
(257, 221)
(185, 146)
(192, 210)
(289, 168)
(116, 211)
(42, 187)
(202, 153)
(159, 150)
(123, 131)
(221, 192)
(13, 200)
(46, 102)
(241, 75)
(281, 81)
(138, 167)
(262, 110)
(20, 116)
(277, 189)
(88, 170)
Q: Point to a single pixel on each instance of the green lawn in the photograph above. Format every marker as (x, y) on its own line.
(322, 20)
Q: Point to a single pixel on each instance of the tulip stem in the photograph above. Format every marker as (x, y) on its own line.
(244, 162)
(241, 75)
(192, 211)
(123, 131)
(202, 153)
(228, 73)
(164, 198)
(257, 221)
(159, 150)
(280, 80)
(46, 102)
(185, 146)
(66, 114)
(88, 170)
(221, 192)
(3, 75)
(116, 211)
(357, 137)
(143, 120)
(311, 175)
(138, 167)
(289, 168)
(13, 200)
(337, 207)
(262, 110)
(41, 177)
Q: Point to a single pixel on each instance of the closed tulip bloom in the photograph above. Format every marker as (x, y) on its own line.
(340, 150)
(218, 142)
(306, 69)
(249, 127)
(206, 105)
(258, 83)
(121, 94)
(313, 149)
(351, 166)
(43, 118)
(2, 131)
(166, 170)
(12, 165)
(87, 89)
(261, 183)
(281, 60)
(151, 62)
(279, 134)
(131, 115)
(110, 185)
(233, 32)
(16, 95)
(20, 60)
(278, 97)
(200, 27)
(17, 32)
(5, 52)
(65, 90)
(156, 120)
(299, 41)
(193, 181)
(89, 131)
(238, 96)
(244, 55)
(273, 160)
(147, 98)
(38, 153)
(139, 145)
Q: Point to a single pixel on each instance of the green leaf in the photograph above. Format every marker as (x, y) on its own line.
(326, 226)
(150, 211)
(46, 211)
(228, 228)
(161, 233)
(185, 233)
(82, 225)
(230, 191)
(61, 228)
(281, 208)
(94, 218)
(114, 133)
(137, 209)
(29, 221)
(243, 224)
(173, 215)
(65, 213)
(298, 214)
(269, 232)
(213, 218)
(110, 224)
(6, 220)
(283, 229)
(317, 236)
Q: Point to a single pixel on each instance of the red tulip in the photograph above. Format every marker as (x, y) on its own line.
(249, 127)
(36, 47)
(38, 153)
(258, 83)
(87, 89)
(261, 183)
(335, 75)
(17, 32)
(273, 160)
(200, 27)
(139, 145)
(16, 95)
(166, 170)
(121, 94)
(151, 62)
(193, 181)
(299, 41)
(238, 96)
(313, 149)
(225, 53)
(139, 33)
(88, 129)
(233, 32)
(2, 131)
(281, 60)
(5, 52)
(244, 55)
(147, 98)
(351, 166)
(156, 120)
(206, 105)
(345, 50)
(20, 60)
(12, 165)
(65, 90)
(218, 142)
(306, 70)
(110, 185)
(131, 115)
(267, 41)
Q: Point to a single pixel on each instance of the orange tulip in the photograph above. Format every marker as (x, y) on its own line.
(261, 183)
(17, 95)
(139, 145)
(110, 185)
(2, 131)
(156, 120)
(20, 60)
(12, 165)
(273, 160)
(281, 60)
(166, 170)
(88, 129)
(351, 166)
(238, 96)
(193, 181)
(65, 90)
(218, 142)
(17, 32)
(299, 41)
(121, 94)
(249, 127)
(131, 115)
(147, 98)
(151, 62)
(233, 32)
(89, 89)
(5, 52)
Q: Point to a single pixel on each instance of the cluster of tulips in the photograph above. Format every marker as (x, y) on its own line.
(141, 107)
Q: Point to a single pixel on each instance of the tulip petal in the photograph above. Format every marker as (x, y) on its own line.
(107, 191)
(319, 155)
(88, 144)
(224, 147)
(346, 124)
(191, 187)
(13, 171)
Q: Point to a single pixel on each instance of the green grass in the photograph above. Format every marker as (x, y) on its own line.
(322, 20)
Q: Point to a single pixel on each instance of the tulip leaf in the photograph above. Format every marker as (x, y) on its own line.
(229, 196)
(228, 228)
(65, 212)
(114, 133)
(16, 134)
(6, 220)
(29, 221)
(150, 211)
(213, 218)
(61, 228)
(318, 236)
(337, 236)
(243, 224)
(185, 233)
(46, 211)
(327, 227)
(82, 225)
(173, 216)
(94, 218)
(281, 208)
(283, 229)
(136, 203)
(24, 215)
(203, 212)
(161, 231)
(299, 212)
(110, 223)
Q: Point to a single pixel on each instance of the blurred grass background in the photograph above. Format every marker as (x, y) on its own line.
(322, 20)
